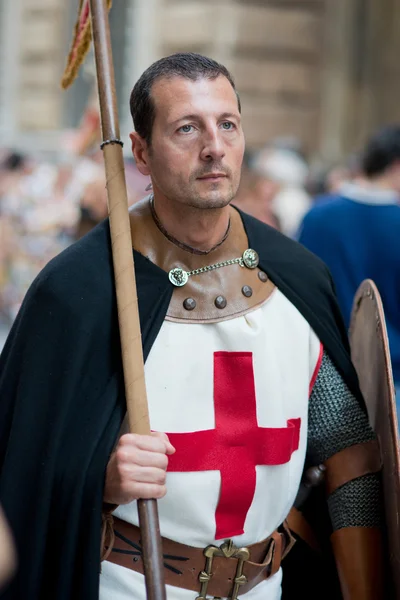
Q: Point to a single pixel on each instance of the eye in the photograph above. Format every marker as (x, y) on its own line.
(227, 125)
(186, 128)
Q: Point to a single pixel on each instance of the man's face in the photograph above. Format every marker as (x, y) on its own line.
(197, 143)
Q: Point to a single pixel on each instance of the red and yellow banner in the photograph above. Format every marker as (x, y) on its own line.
(80, 43)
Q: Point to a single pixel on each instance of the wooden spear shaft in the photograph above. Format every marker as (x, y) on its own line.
(125, 284)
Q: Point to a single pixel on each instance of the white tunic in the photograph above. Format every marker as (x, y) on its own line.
(286, 355)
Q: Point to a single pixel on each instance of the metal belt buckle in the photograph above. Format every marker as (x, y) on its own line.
(227, 550)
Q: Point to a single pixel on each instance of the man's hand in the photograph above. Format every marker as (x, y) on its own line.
(137, 468)
(8, 556)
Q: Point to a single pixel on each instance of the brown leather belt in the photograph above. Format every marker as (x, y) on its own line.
(216, 571)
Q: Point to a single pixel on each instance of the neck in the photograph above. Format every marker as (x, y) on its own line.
(382, 182)
(201, 229)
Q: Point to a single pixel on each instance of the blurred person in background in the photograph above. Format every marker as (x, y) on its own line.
(357, 234)
(12, 165)
(255, 194)
(93, 206)
(324, 183)
(84, 145)
(341, 174)
(284, 175)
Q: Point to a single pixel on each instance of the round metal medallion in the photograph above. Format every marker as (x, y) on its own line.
(250, 258)
(178, 277)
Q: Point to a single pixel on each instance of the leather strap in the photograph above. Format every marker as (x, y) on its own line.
(358, 554)
(299, 525)
(183, 564)
(350, 463)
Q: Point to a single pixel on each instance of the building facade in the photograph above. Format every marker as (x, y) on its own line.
(325, 72)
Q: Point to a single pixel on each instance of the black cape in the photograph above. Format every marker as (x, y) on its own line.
(62, 399)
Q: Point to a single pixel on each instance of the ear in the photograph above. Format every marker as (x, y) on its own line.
(140, 153)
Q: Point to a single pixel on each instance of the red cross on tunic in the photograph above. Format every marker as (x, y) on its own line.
(237, 444)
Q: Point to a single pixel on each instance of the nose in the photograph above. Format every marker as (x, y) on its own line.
(213, 146)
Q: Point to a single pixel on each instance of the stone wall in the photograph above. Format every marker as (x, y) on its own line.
(324, 71)
(273, 50)
(41, 58)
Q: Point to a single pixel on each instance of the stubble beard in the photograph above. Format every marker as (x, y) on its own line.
(210, 199)
(216, 195)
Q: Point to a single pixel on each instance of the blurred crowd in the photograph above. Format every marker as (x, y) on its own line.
(279, 186)
(44, 207)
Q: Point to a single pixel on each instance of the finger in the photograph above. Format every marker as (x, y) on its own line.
(169, 447)
(148, 490)
(138, 474)
(149, 443)
(126, 457)
(145, 458)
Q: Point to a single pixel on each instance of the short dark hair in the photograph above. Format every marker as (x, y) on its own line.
(13, 161)
(382, 150)
(182, 64)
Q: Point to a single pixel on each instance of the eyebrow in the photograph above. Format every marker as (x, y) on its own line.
(194, 117)
(229, 116)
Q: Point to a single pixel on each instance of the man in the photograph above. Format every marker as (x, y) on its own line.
(247, 371)
(357, 234)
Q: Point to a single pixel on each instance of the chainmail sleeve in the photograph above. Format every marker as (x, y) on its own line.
(337, 421)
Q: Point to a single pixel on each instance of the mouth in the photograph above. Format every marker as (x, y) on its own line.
(212, 177)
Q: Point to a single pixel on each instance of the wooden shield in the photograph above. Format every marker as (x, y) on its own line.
(371, 358)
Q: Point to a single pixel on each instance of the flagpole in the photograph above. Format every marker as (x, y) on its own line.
(125, 284)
